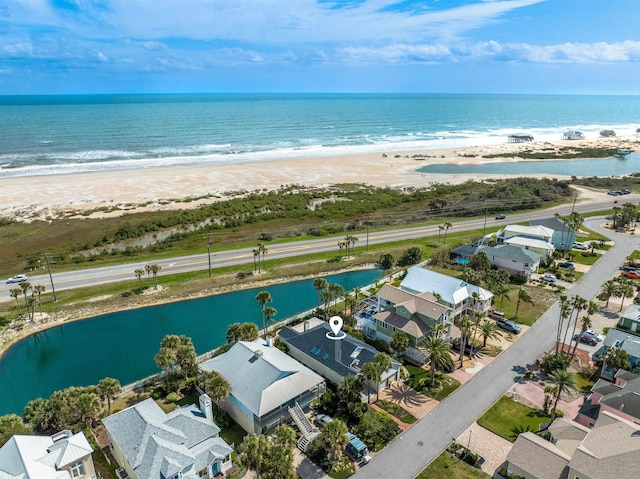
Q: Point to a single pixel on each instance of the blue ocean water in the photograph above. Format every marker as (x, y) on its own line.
(59, 134)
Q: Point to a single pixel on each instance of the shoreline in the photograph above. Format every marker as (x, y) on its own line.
(117, 192)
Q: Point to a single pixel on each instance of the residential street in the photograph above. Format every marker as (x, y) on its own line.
(419, 445)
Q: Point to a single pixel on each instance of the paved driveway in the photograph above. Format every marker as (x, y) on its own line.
(405, 457)
(490, 446)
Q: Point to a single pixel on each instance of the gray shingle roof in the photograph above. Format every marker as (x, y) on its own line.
(425, 303)
(155, 442)
(262, 378)
(345, 357)
(511, 252)
(628, 341)
(412, 326)
(552, 223)
(539, 457)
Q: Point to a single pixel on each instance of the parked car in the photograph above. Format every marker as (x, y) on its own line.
(625, 191)
(323, 419)
(626, 269)
(509, 326)
(500, 216)
(549, 278)
(566, 264)
(495, 314)
(579, 245)
(594, 334)
(631, 274)
(586, 339)
(19, 278)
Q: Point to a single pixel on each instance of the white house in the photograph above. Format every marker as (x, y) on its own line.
(563, 236)
(457, 295)
(535, 238)
(264, 383)
(184, 444)
(62, 456)
(516, 261)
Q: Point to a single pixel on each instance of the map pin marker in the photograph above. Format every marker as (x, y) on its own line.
(336, 324)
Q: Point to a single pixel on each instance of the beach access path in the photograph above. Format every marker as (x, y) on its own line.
(416, 447)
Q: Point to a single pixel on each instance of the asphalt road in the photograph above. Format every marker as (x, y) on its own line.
(405, 457)
(199, 262)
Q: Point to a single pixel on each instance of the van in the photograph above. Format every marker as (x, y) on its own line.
(357, 449)
(496, 314)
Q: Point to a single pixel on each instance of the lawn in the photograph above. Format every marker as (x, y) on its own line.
(585, 257)
(233, 433)
(446, 466)
(419, 380)
(508, 418)
(397, 411)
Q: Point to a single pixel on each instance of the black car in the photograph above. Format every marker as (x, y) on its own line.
(566, 264)
(586, 339)
(500, 217)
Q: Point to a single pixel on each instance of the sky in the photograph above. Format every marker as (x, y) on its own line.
(389, 46)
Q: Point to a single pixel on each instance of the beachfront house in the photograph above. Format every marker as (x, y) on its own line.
(458, 296)
(334, 359)
(620, 397)
(572, 135)
(611, 449)
(516, 261)
(563, 236)
(264, 382)
(63, 455)
(185, 444)
(413, 314)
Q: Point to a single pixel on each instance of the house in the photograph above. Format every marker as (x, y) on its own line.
(514, 260)
(62, 456)
(535, 238)
(563, 236)
(630, 319)
(621, 397)
(625, 340)
(334, 359)
(457, 295)
(413, 314)
(572, 135)
(610, 449)
(264, 382)
(519, 138)
(185, 444)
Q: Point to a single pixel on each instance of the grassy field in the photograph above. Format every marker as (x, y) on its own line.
(419, 380)
(450, 467)
(508, 418)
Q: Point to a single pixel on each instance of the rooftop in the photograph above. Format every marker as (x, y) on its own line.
(451, 290)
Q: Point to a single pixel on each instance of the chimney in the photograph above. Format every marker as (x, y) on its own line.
(269, 342)
(338, 351)
(206, 407)
(306, 325)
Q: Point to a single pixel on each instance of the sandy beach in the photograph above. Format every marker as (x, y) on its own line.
(51, 196)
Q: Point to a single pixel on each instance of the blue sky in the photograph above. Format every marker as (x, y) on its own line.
(448, 46)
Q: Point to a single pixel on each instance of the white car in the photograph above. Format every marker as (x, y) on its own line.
(549, 278)
(323, 419)
(19, 278)
(578, 245)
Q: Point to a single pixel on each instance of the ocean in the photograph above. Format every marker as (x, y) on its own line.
(65, 134)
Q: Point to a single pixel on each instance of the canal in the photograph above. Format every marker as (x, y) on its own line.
(122, 345)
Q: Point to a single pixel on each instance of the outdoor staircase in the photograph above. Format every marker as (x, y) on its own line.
(307, 431)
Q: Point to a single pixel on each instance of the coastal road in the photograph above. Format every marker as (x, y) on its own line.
(409, 453)
(199, 262)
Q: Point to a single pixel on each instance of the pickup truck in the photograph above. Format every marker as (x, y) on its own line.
(509, 326)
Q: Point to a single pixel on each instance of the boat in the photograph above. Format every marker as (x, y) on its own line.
(622, 152)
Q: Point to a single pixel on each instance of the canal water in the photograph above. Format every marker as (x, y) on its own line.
(582, 168)
(122, 345)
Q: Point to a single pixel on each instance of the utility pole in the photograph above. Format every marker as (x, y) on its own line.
(484, 227)
(368, 221)
(574, 202)
(53, 289)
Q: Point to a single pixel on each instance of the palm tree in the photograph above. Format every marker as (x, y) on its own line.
(334, 438)
(466, 325)
(584, 325)
(447, 225)
(577, 304)
(440, 330)
(616, 358)
(336, 291)
(107, 389)
(263, 250)
(502, 291)
(370, 373)
(350, 388)
(31, 306)
(326, 297)
(254, 452)
(269, 313)
(263, 297)
(399, 342)
(147, 269)
(320, 285)
(625, 291)
(489, 330)
(564, 381)
(437, 353)
(25, 286)
(15, 293)
(477, 315)
(155, 268)
(214, 385)
(565, 310)
(440, 228)
(139, 274)
(609, 289)
(39, 289)
(384, 363)
(256, 256)
(523, 297)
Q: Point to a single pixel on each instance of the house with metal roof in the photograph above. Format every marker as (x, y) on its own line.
(536, 238)
(513, 259)
(264, 382)
(63, 455)
(610, 449)
(457, 295)
(186, 444)
(621, 397)
(335, 359)
(563, 236)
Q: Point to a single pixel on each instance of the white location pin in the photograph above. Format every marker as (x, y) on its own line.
(336, 324)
